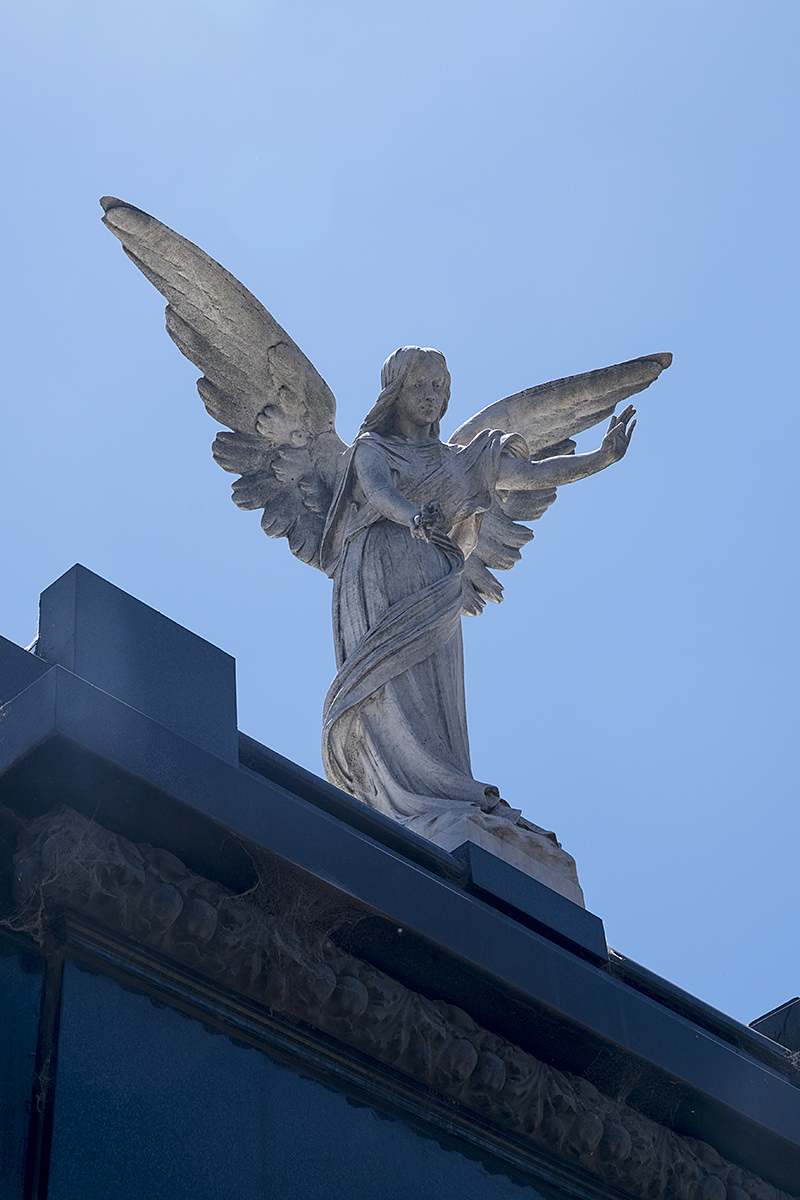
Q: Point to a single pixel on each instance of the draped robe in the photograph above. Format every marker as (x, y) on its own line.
(394, 725)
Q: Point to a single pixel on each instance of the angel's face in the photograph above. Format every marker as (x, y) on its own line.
(423, 396)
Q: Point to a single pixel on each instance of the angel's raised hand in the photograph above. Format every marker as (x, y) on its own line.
(618, 434)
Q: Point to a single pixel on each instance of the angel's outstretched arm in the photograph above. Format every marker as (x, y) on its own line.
(547, 418)
(375, 479)
(517, 474)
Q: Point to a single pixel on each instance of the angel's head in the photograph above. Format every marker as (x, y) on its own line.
(416, 380)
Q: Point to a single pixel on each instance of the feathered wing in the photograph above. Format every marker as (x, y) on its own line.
(547, 417)
(255, 380)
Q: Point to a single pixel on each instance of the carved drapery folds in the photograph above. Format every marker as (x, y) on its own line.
(65, 861)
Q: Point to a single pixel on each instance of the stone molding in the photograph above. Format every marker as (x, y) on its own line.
(65, 861)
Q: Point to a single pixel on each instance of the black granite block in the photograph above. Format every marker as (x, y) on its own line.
(18, 669)
(64, 741)
(782, 1025)
(139, 656)
(151, 1103)
(20, 997)
(537, 905)
(129, 727)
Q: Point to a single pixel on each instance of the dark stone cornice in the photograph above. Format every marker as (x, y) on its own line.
(261, 944)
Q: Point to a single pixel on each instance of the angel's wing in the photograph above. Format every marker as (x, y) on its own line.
(547, 416)
(255, 380)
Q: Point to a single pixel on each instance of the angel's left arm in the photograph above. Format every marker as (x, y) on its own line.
(518, 474)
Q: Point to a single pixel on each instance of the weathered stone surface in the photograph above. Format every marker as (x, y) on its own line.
(67, 862)
(409, 527)
(521, 845)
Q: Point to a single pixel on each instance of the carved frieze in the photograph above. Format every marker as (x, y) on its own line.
(67, 862)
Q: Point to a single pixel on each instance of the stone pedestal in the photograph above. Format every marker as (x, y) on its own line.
(522, 846)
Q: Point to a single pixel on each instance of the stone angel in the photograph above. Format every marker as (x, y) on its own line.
(409, 528)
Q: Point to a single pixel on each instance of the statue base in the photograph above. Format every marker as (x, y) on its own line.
(521, 844)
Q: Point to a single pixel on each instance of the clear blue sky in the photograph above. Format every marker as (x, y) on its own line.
(537, 188)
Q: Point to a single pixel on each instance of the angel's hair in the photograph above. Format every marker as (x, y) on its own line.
(393, 376)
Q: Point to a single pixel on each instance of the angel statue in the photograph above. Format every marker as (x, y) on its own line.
(409, 527)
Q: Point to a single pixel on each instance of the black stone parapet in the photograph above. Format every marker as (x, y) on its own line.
(121, 646)
(781, 1025)
(158, 847)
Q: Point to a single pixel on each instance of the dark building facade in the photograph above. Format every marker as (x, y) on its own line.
(222, 978)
